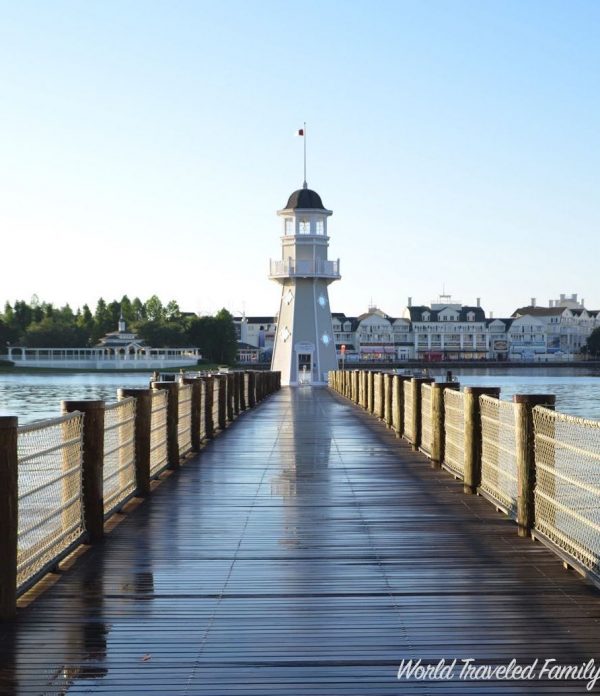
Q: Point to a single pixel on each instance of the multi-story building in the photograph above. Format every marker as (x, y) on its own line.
(447, 330)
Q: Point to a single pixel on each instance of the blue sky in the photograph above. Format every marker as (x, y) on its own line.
(145, 147)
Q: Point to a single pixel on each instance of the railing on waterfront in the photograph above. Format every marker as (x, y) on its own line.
(158, 433)
(567, 493)
(426, 418)
(540, 467)
(60, 479)
(454, 428)
(119, 453)
(50, 516)
(499, 476)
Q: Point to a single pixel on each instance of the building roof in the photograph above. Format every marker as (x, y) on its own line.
(416, 313)
(242, 345)
(304, 198)
(539, 311)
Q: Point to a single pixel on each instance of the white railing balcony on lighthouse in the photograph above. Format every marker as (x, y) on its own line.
(295, 268)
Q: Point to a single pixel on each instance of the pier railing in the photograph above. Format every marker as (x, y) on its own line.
(539, 467)
(61, 479)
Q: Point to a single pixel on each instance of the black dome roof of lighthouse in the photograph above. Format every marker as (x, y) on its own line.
(304, 198)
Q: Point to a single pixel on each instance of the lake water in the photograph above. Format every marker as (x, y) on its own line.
(34, 396)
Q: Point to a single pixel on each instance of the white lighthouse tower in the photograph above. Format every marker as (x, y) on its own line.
(304, 349)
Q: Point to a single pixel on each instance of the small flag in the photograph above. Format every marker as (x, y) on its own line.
(299, 132)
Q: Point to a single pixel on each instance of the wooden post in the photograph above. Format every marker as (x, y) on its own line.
(243, 386)
(525, 440)
(236, 392)
(363, 389)
(251, 389)
(371, 392)
(438, 428)
(221, 401)
(92, 465)
(196, 410)
(172, 389)
(230, 381)
(388, 393)
(380, 395)
(416, 409)
(9, 516)
(473, 435)
(209, 426)
(143, 417)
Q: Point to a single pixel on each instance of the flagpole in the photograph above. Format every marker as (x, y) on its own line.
(305, 185)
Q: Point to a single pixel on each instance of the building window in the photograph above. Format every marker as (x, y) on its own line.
(304, 227)
(320, 227)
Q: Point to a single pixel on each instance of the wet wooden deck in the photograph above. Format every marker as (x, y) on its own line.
(306, 551)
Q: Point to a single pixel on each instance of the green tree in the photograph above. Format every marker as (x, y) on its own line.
(172, 311)
(102, 321)
(8, 335)
(138, 309)
(162, 334)
(154, 309)
(593, 343)
(127, 310)
(51, 332)
(215, 336)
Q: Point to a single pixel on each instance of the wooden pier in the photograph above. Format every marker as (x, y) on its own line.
(305, 551)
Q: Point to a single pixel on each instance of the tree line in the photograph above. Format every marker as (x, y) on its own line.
(40, 324)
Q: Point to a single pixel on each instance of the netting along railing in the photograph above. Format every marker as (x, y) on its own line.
(408, 411)
(215, 409)
(49, 478)
(202, 408)
(184, 427)
(499, 452)
(426, 418)
(158, 432)
(454, 444)
(119, 453)
(567, 493)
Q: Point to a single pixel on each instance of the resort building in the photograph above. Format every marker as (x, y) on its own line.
(449, 330)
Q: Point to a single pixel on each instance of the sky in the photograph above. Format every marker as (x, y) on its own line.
(145, 148)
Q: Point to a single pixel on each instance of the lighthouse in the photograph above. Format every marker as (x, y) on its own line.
(304, 349)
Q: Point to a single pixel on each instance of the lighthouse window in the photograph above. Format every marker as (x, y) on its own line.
(289, 226)
(304, 227)
(320, 227)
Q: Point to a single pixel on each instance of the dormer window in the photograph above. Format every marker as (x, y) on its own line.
(304, 227)
(425, 316)
(320, 227)
(289, 226)
(471, 316)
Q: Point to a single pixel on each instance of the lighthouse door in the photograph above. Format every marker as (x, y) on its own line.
(304, 368)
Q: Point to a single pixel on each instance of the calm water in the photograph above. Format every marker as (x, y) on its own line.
(32, 396)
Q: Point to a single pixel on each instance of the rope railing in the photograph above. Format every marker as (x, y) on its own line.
(454, 448)
(60, 479)
(119, 454)
(426, 418)
(158, 433)
(50, 515)
(499, 453)
(408, 430)
(184, 429)
(567, 493)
